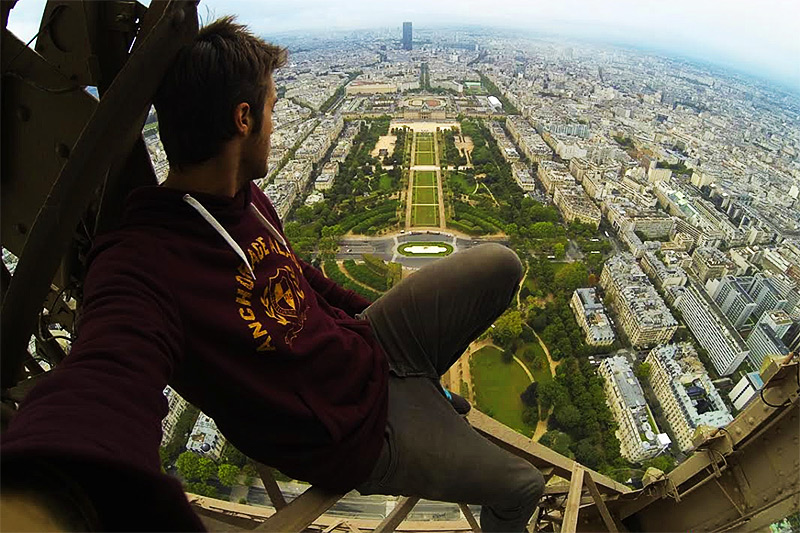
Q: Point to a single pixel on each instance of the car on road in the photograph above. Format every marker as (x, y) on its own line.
(349, 249)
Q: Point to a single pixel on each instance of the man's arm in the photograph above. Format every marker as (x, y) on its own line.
(349, 301)
(92, 428)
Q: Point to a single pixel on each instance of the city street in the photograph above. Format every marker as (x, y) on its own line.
(385, 247)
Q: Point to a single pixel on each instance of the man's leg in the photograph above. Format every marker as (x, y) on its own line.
(424, 324)
(427, 321)
(433, 453)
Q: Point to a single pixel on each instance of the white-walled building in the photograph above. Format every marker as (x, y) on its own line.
(685, 392)
(205, 438)
(639, 437)
(591, 317)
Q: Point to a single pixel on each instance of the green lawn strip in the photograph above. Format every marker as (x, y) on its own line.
(424, 195)
(425, 158)
(498, 386)
(425, 178)
(402, 249)
(426, 215)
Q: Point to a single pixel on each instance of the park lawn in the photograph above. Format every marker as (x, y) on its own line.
(498, 386)
(541, 375)
(459, 182)
(385, 184)
(425, 178)
(424, 195)
(426, 215)
(425, 158)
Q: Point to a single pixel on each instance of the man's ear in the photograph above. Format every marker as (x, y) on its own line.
(243, 118)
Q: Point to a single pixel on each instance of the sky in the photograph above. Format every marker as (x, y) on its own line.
(757, 36)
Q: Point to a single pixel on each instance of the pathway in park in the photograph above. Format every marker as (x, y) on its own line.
(410, 193)
(519, 289)
(442, 224)
(541, 427)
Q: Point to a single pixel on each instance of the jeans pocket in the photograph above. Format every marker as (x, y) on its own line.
(384, 469)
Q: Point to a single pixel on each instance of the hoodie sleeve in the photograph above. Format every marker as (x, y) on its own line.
(348, 301)
(96, 419)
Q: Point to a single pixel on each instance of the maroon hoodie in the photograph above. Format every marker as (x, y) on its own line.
(203, 292)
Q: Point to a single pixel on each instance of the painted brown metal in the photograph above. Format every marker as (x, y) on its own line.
(572, 507)
(107, 137)
(271, 486)
(535, 453)
(398, 514)
(476, 528)
(302, 512)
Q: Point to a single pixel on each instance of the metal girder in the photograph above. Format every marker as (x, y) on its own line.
(271, 486)
(108, 137)
(302, 512)
(743, 477)
(608, 520)
(572, 506)
(88, 41)
(43, 115)
(398, 514)
(538, 455)
(476, 528)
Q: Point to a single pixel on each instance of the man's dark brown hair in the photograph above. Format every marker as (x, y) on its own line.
(224, 66)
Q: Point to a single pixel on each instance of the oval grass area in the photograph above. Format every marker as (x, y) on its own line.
(498, 386)
(425, 249)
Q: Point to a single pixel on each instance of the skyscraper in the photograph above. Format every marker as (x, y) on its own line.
(406, 36)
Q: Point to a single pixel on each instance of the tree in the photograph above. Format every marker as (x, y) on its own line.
(568, 416)
(530, 415)
(571, 277)
(557, 441)
(529, 396)
(202, 489)
(663, 462)
(507, 328)
(194, 467)
(588, 454)
(643, 371)
(559, 250)
(233, 456)
(228, 474)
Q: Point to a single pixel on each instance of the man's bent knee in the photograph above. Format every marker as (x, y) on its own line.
(503, 261)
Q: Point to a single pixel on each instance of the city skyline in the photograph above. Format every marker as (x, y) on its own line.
(756, 38)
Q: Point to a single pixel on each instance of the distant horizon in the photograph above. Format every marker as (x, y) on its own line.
(759, 39)
(646, 48)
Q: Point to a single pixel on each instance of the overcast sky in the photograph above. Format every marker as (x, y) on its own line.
(760, 36)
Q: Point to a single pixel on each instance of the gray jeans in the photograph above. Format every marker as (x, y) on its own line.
(424, 324)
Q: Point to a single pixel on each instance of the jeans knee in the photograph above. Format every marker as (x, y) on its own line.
(529, 486)
(504, 261)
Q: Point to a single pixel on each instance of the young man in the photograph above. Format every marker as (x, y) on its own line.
(200, 289)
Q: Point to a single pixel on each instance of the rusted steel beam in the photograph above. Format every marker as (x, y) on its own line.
(398, 514)
(109, 136)
(271, 486)
(301, 513)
